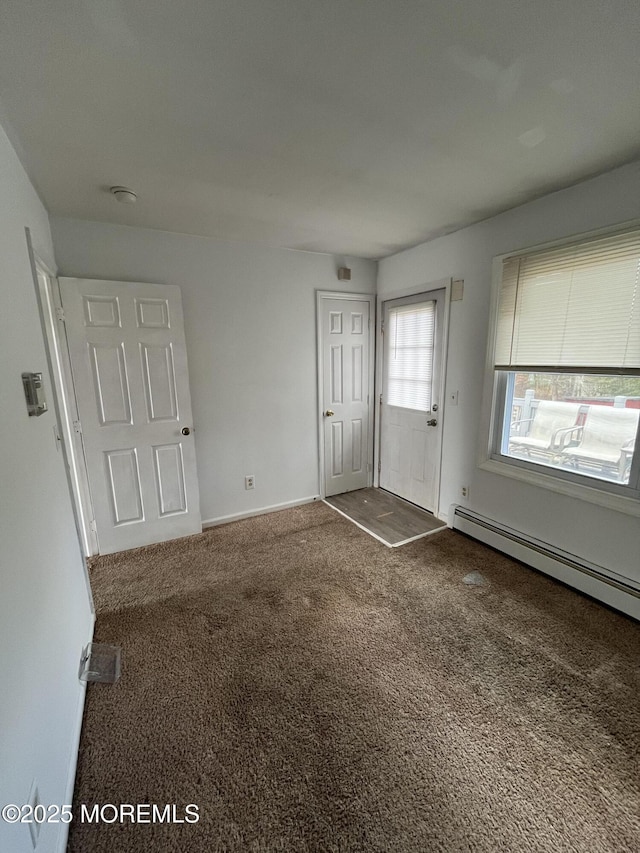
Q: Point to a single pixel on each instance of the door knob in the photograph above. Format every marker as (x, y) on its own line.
(329, 413)
(186, 431)
(432, 422)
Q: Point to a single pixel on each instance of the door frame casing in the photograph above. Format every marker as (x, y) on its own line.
(415, 290)
(62, 377)
(359, 297)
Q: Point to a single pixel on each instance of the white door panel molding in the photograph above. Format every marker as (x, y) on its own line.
(345, 390)
(129, 363)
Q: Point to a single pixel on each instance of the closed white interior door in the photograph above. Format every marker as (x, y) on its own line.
(410, 409)
(345, 351)
(129, 363)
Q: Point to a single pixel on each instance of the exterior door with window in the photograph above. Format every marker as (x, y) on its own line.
(411, 405)
(129, 364)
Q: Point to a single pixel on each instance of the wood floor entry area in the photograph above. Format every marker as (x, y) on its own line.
(385, 516)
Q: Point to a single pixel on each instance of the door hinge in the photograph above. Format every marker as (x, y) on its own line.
(60, 314)
(77, 427)
(380, 399)
(379, 466)
(93, 526)
(382, 328)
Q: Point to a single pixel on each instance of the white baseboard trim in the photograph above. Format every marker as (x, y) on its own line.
(63, 837)
(600, 583)
(238, 516)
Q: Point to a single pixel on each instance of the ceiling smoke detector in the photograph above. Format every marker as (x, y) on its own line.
(124, 195)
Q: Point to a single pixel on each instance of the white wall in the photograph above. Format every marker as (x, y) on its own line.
(251, 342)
(45, 615)
(603, 536)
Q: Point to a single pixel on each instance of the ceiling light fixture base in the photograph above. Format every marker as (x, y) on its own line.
(124, 195)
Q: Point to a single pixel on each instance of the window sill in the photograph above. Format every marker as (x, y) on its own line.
(619, 503)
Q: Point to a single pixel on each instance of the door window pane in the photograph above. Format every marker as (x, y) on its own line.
(409, 367)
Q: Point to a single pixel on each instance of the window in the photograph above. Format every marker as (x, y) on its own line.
(567, 363)
(411, 337)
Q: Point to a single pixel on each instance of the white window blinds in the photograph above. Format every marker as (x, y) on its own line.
(577, 306)
(410, 340)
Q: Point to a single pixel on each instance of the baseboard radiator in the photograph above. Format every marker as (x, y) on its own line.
(603, 584)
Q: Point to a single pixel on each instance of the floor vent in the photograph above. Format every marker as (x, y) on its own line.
(100, 662)
(597, 581)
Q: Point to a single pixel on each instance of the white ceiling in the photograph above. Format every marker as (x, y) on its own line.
(357, 127)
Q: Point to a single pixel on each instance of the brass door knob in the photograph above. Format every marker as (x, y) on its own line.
(186, 431)
(329, 413)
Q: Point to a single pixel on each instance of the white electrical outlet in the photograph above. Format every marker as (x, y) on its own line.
(464, 491)
(249, 482)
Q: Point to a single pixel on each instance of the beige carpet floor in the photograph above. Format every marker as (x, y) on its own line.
(312, 690)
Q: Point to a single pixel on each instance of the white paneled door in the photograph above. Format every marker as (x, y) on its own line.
(129, 363)
(345, 353)
(411, 406)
